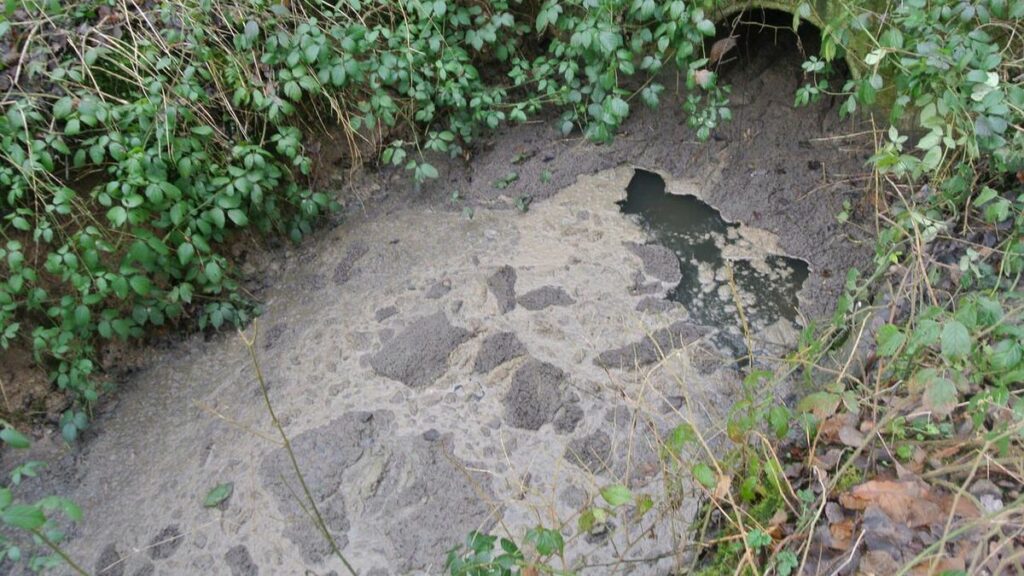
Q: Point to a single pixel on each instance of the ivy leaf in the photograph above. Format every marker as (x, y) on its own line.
(616, 495)
(219, 494)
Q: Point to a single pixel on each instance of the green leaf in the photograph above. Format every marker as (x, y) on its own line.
(703, 474)
(925, 334)
(141, 284)
(643, 504)
(216, 216)
(956, 341)
(14, 439)
(62, 108)
(821, 404)
(219, 494)
(546, 540)
(428, 170)
(778, 419)
(940, 396)
(619, 107)
(23, 516)
(890, 339)
(5, 497)
(117, 215)
(609, 41)
(238, 217)
(214, 273)
(82, 315)
(616, 495)
(185, 253)
(592, 517)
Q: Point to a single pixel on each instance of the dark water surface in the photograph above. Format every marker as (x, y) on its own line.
(689, 227)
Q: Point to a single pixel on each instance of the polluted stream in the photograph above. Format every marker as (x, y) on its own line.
(726, 279)
(439, 374)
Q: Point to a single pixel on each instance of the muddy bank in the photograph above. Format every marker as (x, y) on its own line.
(441, 374)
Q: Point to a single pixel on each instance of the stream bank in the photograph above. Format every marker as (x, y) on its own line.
(440, 373)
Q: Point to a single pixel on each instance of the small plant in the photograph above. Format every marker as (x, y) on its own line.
(481, 558)
(506, 180)
(523, 202)
(37, 521)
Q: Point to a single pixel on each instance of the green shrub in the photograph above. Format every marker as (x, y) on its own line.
(139, 141)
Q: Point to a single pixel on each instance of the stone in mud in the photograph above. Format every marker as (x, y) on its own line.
(383, 314)
(536, 398)
(361, 473)
(424, 501)
(544, 297)
(653, 305)
(109, 563)
(567, 417)
(639, 287)
(495, 350)
(314, 282)
(324, 453)
(652, 348)
(240, 562)
(439, 289)
(592, 452)
(166, 543)
(706, 361)
(503, 285)
(274, 335)
(419, 355)
(659, 261)
(343, 271)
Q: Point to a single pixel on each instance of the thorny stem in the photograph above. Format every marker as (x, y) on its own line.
(317, 517)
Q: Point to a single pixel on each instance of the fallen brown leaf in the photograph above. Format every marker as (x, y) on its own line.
(941, 567)
(946, 452)
(722, 489)
(720, 48)
(842, 534)
(841, 429)
(703, 77)
(877, 563)
(909, 502)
